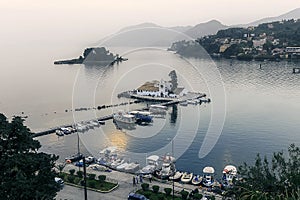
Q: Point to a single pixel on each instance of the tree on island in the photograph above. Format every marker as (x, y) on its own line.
(174, 82)
(264, 181)
(25, 173)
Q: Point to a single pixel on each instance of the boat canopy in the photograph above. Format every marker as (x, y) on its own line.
(153, 158)
(209, 170)
(230, 169)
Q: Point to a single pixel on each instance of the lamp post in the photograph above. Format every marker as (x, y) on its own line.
(174, 166)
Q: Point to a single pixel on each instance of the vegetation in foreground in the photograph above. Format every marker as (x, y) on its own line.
(155, 193)
(267, 180)
(25, 173)
(98, 183)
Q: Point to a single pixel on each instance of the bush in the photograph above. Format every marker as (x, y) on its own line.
(168, 191)
(212, 197)
(101, 178)
(77, 180)
(184, 194)
(198, 196)
(145, 186)
(71, 178)
(79, 174)
(147, 194)
(91, 176)
(155, 188)
(72, 171)
(91, 183)
(160, 196)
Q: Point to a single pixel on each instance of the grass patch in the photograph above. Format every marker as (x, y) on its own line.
(157, 196)
(91, 183)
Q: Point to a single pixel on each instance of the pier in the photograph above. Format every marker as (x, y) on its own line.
(166, 102)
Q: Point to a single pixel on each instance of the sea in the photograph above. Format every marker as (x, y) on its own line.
(254, 108)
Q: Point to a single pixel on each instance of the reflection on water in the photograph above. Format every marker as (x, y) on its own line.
(262, 108)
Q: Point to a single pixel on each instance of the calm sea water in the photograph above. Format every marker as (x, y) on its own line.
(262, 105)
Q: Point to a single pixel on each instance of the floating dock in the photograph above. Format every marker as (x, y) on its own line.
(166, 102)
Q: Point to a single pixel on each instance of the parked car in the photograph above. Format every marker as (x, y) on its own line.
(59, 181)
(134, 196)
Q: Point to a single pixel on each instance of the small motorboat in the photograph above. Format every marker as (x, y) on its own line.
(176, 176)
(101, 122)
(208, 179)
(229, 174)
(59, 133)
(89, 159)
(75, 157)
(122, 166)
(116, 163)
(197, 179)
(152, 164)
(95, 123)
(142, 116)
(186, 177)
(132, 167)
(122, 117)
(184, 103)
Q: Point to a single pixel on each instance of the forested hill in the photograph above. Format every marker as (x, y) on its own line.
(268, 40)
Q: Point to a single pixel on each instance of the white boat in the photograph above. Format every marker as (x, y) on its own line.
(208, 179)
(152, 163)
(132, 167)
(176, 176)
(186, 177)
(184, 103)
(157, 109)
(197, 179)
(59, 133)
(121, 117)
(95, 123)
(192, 102)
(116, 163)
(122, 166)
(89, 125)
(229, 174)
(165, 172)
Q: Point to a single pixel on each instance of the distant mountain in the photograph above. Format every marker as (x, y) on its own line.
(294, 14)
(207, 28)
(150, 34)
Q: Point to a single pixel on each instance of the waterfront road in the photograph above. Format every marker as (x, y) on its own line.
(120, 193)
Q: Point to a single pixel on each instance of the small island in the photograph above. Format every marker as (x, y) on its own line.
(94, 55)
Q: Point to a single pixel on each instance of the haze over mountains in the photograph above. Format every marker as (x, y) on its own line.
(150, 34)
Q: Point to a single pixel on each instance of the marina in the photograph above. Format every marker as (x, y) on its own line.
(124, 119)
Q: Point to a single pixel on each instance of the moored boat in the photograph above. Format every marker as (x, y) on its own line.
(208, 179)
(197, 179)
(229, 174)
(142, 116)
(74, 158)
(59, 133)
(132, 167)
(176, 176)
(186, 177)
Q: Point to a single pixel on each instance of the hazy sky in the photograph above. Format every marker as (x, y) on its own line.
(93, 19)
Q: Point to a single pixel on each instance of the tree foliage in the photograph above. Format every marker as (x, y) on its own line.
(278, 179)
(174, 81)
(25, 173)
